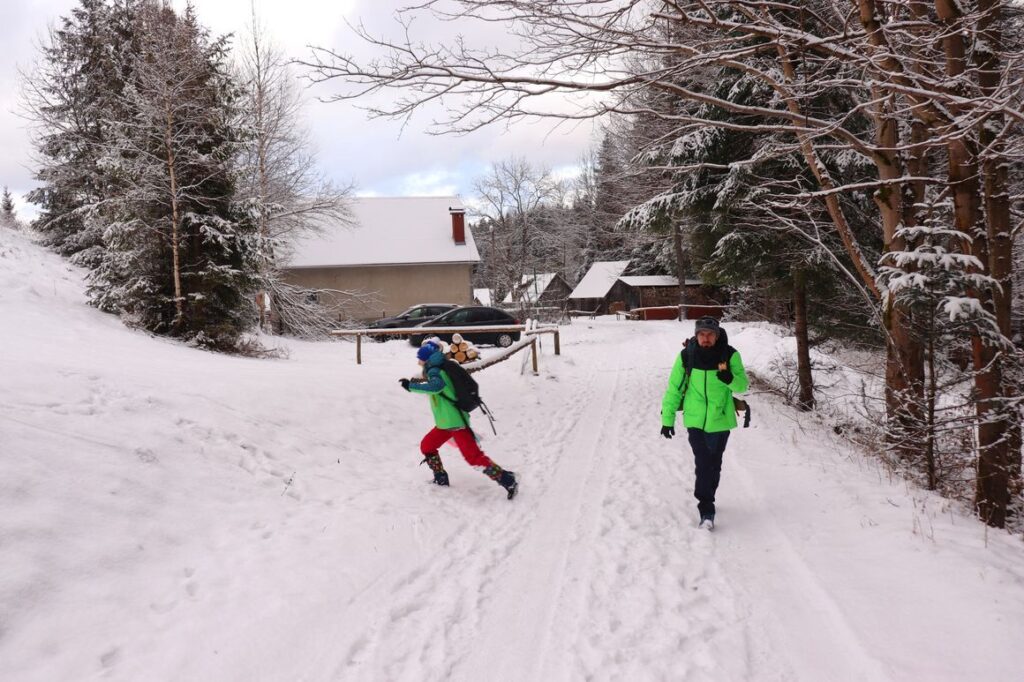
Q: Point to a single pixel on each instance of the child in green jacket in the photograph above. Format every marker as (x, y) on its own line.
(450, 422)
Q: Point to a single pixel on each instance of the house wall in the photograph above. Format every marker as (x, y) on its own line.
(625, 296)
(388, 289)
(588, 305)
(696, 296)
(656, 296)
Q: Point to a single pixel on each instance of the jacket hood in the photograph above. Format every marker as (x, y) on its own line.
(435, 360)
(708, 358)
(723, 338)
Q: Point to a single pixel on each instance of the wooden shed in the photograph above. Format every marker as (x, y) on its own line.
(657, 296)
(592, 294)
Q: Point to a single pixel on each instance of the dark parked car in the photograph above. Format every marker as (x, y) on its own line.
(473, 316)
(411, 317)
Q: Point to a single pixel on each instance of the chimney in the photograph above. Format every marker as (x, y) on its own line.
(458, 225)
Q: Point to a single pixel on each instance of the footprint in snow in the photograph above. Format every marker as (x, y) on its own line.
(111, 657)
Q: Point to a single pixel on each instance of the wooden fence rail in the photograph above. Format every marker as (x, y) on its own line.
(427, 331)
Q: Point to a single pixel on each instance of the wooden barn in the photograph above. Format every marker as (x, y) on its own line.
(591, 295)
(657, 297)
(646, 291)
(542, 289)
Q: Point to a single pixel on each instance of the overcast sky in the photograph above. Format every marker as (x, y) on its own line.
(380, 157)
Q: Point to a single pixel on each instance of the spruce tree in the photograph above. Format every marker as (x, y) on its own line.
(181, 256)
(75, 100)
(7, 215)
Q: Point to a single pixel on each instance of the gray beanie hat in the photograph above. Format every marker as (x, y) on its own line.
(709, 324)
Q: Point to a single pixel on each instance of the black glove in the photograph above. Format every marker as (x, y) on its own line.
(405, 383)
(724, 375)
(668, 431)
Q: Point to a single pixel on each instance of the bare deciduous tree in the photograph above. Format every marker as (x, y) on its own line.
(286, 193)
(513, 196)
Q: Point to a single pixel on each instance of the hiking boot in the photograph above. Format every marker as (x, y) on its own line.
(433, 461)
(506, 479)
(509, 483)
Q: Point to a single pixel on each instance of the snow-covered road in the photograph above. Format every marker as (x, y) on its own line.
(169, 514)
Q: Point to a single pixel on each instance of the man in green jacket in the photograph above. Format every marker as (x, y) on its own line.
(451, 422)
(703, 379)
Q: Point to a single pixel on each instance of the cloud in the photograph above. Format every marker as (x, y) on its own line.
(438, 183)
(382, 157)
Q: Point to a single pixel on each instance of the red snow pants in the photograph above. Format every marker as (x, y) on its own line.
(464, 439)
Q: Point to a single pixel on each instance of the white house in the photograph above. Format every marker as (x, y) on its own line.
(400, 251)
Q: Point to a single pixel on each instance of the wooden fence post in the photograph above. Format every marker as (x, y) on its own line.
(558, 344)
(359, 349)
(533, 353)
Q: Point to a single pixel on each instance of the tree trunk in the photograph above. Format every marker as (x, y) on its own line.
(824, 179)
(179, 301)
(992, 495)
(803, 348)
(999, 471)
(930, 453)
(677, 247)
(904, 371)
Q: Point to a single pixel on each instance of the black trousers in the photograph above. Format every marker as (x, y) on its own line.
(707, 457)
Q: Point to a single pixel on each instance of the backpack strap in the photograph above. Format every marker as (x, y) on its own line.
(687, 357)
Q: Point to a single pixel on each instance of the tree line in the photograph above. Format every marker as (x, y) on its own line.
(865, 153)
(170, 171)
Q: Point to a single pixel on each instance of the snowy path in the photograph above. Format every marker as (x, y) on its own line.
(167, 515)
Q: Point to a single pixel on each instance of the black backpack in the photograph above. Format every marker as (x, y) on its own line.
(467, 391)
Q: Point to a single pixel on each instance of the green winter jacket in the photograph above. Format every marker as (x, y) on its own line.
(442, 395)
(707, 402)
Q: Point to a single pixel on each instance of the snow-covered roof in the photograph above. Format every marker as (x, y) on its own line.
(599, 279)
(651, 281)
(532, 287)
(388, 231)
(483, 296)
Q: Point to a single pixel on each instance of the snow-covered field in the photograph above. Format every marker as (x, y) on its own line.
(171, 514)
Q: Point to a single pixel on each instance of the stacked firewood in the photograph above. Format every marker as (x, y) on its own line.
(461, 350)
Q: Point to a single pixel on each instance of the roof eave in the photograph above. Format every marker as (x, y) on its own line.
(379, 265)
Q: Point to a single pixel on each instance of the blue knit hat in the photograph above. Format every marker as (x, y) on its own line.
(426, 350)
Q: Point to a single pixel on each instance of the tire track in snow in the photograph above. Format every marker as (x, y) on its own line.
(657, 605)
(521, 627)
(435, 610)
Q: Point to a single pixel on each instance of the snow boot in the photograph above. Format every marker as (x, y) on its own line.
(509, 483)
(433, 461)
(707, 522)
(506, 479)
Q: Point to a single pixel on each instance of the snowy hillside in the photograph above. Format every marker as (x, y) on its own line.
(169, 514)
